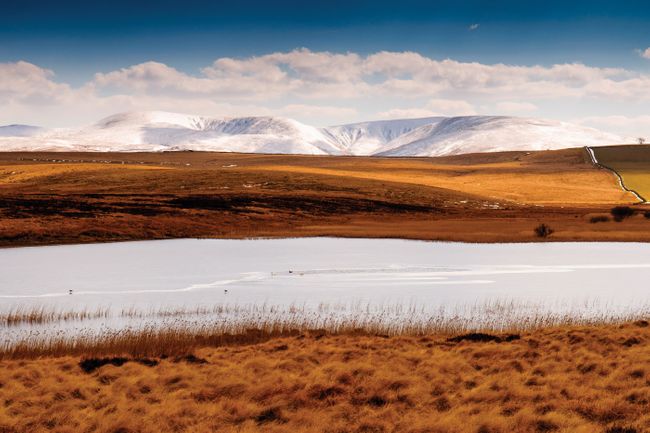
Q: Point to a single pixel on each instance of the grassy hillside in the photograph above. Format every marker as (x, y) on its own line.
(88, 197)
(631, 162)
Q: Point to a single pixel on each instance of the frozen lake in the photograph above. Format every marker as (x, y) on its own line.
(317, 272)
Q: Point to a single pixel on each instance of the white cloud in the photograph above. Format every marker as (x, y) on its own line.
(516, 108)
(451, 107)
(629, 126)
(323, 87)
(645, 53)
(28, 83)
(435, 107)
(473, 27)
(306, 74)
(158, 78)
(406, 113)
(313, 113)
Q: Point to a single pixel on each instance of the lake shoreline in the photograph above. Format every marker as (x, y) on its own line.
(253, 238)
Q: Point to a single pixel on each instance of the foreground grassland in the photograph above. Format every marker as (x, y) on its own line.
(631, 162)
(561, 379)
(48, 198)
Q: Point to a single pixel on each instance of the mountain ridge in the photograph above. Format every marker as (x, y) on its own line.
(430, 136)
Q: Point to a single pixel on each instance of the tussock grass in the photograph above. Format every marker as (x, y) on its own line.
(561, 379)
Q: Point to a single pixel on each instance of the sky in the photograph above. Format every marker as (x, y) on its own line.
(70, 63)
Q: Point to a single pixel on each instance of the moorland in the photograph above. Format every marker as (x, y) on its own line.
(53, 198)
(555, 379)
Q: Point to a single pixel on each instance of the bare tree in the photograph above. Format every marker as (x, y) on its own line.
(641, 140)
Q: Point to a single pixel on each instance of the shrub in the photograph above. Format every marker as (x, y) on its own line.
(621, 212)
(543, 231)
(599, 219)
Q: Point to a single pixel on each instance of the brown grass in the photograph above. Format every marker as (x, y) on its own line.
(548, 177)
(52, 198)
(559, 379)
(631, 162)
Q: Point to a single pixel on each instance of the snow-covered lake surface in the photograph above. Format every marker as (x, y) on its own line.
(324, 273)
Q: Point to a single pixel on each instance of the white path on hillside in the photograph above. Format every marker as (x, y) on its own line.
(619, 178)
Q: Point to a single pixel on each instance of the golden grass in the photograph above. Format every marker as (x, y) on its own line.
(631, 162)
(18, 173)
(559, 379)
(636, 176)
(502, 181)
(551, 177)
(100, 197)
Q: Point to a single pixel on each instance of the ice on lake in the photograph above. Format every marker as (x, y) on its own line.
(316, 272)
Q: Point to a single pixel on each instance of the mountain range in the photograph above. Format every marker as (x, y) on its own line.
(155, 131)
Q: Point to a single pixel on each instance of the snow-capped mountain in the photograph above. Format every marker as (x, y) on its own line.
(367, 138)
(158, 131)
(456, 135)
(19, 130)
(435, 136)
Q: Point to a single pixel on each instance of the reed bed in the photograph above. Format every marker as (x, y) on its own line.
(39, 315)
(169, 332)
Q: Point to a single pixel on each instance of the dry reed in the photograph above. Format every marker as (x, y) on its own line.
(40, 315)
(169, 332)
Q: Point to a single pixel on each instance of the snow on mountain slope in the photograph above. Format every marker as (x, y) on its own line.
(19, 130)
(367, 138)
(171, 131)
(159, 131)
(470, 134)
(435, 136)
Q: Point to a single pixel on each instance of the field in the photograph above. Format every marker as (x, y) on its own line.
(48, 198)
(555, 379)
(631, 162)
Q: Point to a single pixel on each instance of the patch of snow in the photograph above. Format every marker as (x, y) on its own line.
(368, 138)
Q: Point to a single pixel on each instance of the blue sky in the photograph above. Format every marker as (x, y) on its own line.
(74, 40)
(75, 34)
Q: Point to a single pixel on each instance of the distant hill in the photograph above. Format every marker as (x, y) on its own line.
(19, 130)
(434, 136)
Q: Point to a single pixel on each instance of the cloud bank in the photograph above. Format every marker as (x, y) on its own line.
(326, 88)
